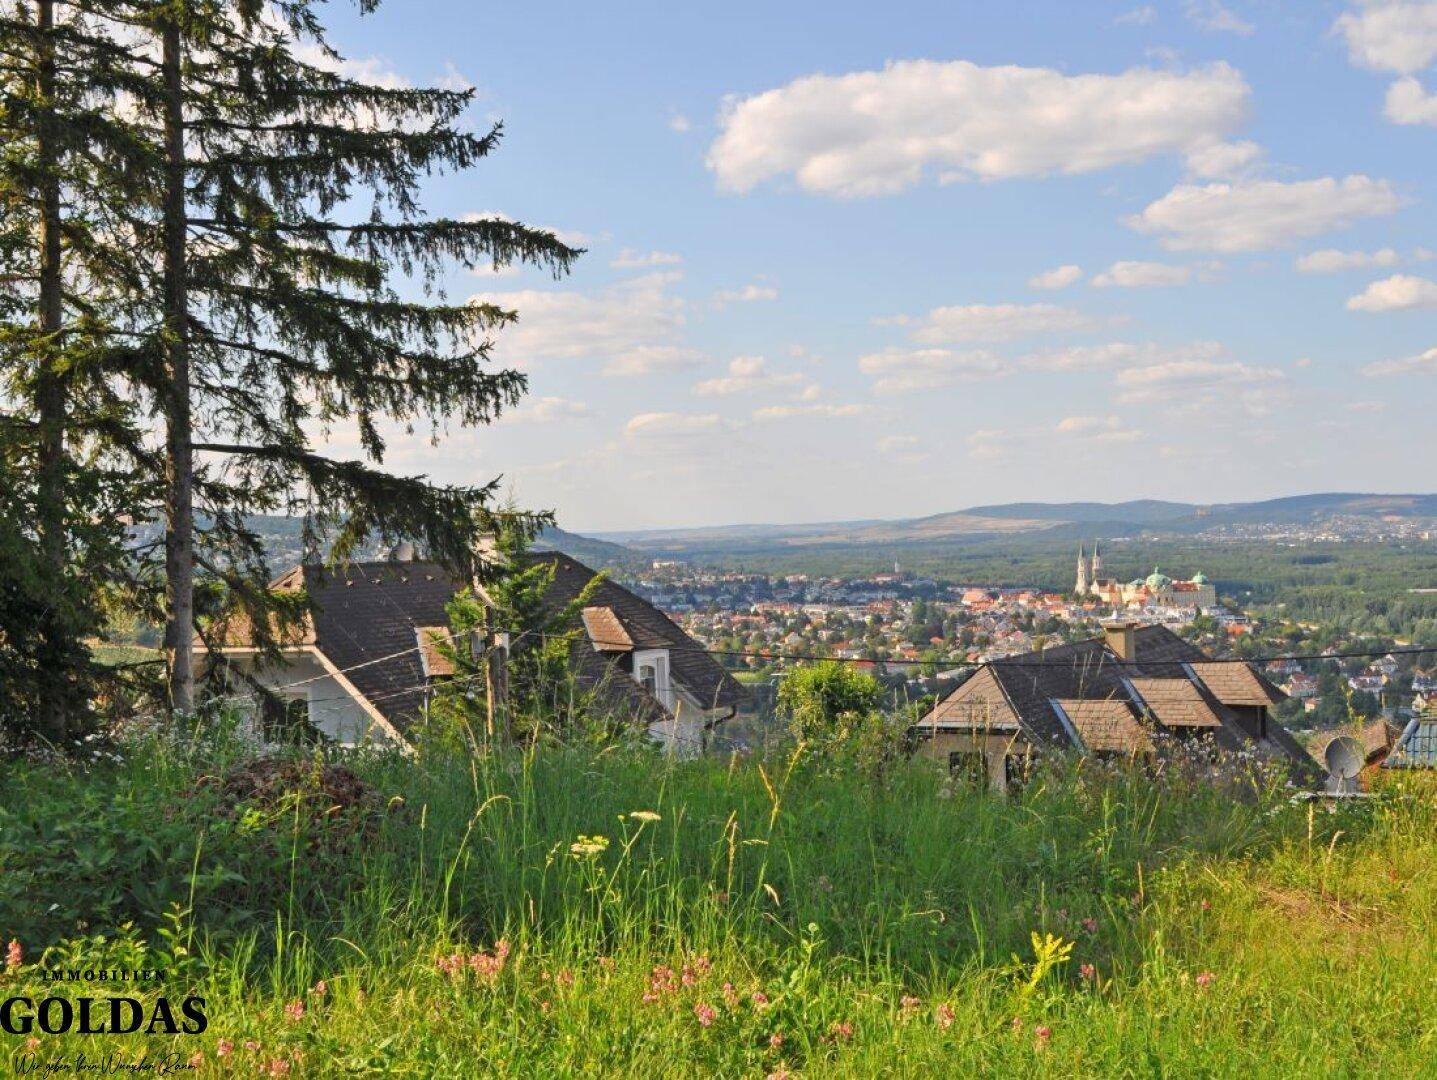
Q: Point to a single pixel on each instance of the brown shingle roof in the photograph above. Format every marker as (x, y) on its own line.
(431, 657)
(1109, 726)
(1237, 684)
(605, 630)
(1175, 702)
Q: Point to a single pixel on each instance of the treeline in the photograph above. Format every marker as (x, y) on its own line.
(213, 252)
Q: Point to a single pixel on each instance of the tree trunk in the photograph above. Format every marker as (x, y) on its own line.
(50, 388)
(179, 470)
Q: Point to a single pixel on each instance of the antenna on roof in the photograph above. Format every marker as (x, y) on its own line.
(1344, 758)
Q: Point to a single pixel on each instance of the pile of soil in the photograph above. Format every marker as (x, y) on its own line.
(319, 793)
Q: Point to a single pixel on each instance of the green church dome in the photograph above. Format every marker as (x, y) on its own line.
(1199, 578)
(1157, 580)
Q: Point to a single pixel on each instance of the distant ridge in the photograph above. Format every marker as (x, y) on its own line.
(1088, 520)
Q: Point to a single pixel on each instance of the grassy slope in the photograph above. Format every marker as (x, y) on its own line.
(833, 898)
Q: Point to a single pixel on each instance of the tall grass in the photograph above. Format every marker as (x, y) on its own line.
(737, 918)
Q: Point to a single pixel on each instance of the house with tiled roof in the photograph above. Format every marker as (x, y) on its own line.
(365, 659)
(1117, 695)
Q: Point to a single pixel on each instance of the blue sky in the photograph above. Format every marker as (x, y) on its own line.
(847, 262)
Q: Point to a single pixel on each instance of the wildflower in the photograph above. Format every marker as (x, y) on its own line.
(294, 1011)
(606, 963)
(775, 1041)
(197, 1059)
(1041, 1035)
(32, 1043)
(251, 1045)
(14, 955)
(224, 1049)
(1017, 1024)
(278, 1067)
(1206, 905)
(1090, 925)
(646, 816)
(1204, 979)
(760, 999)
(588, 847)
(544, 1007)
(779, 1073)
(841, 1030)
(944, 1016)
(1088, 972)
(564, 977)
(730, 995)
(705, 1013)
(320, 988)
(908, 1001)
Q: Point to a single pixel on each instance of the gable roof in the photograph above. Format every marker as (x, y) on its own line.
(1108, 725)
(379, 623)
(1237, 684)
(692, 668)
(1089, 671)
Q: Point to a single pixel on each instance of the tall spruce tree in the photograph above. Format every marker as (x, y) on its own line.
(68, 419)
(288, 221)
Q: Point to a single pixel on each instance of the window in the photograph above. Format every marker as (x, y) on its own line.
(286, 721)
(969, 765)
(651, 671)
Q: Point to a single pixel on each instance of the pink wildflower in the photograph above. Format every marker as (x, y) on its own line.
(944, 1016)
(730, 995)
(775, 1040)
(278, 1067)
(1090, 925)
(14, 954)
(1207, 905)
(705, 1013)
(320, 988)
(224, 1049)
(841, 1030)
(1041, 1036)
(606, 963)
(294, 1011)
(1205, 979)
(564, 977)
(1017, 1024)
(779, 1073)
(1088, 972)
(908, 1001)
(32, 1043)
(544, 1007)
(760, 998)
(197, 1059)
(251, 1045)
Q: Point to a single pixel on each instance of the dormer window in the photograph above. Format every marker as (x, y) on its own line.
(651, 671)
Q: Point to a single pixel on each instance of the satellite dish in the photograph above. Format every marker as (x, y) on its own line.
(1345, 758)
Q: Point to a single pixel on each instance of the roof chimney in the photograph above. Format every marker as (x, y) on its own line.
(404, 551)
(1122, 638)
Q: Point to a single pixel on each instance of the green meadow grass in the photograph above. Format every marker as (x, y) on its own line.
(734, 918)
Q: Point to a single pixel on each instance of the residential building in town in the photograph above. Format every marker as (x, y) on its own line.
(364, 661)
(1119, 694)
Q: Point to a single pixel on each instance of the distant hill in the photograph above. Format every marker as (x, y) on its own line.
(1087, 520)
(598, 554)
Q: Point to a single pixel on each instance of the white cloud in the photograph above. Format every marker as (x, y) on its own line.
(789, 412)
(1332, 261)
(998, 322)
(1137, 275)
(1400, 292)
(672, 425)
(1262, 214)
(1120, 354)
(632, 326)
(1223, 160)
(1408, 103)
(1060, 277)
(631, 259)
(546, 410)
(678, 122)
(1138, 16)
(899, 444)
(1098, 429)
(653, 360)
(1176, 379)
(1422, 364)
(1211, 15)
(1391, 35)
(749, 294)
(878, 132)
(745, 375)
(901, 371)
